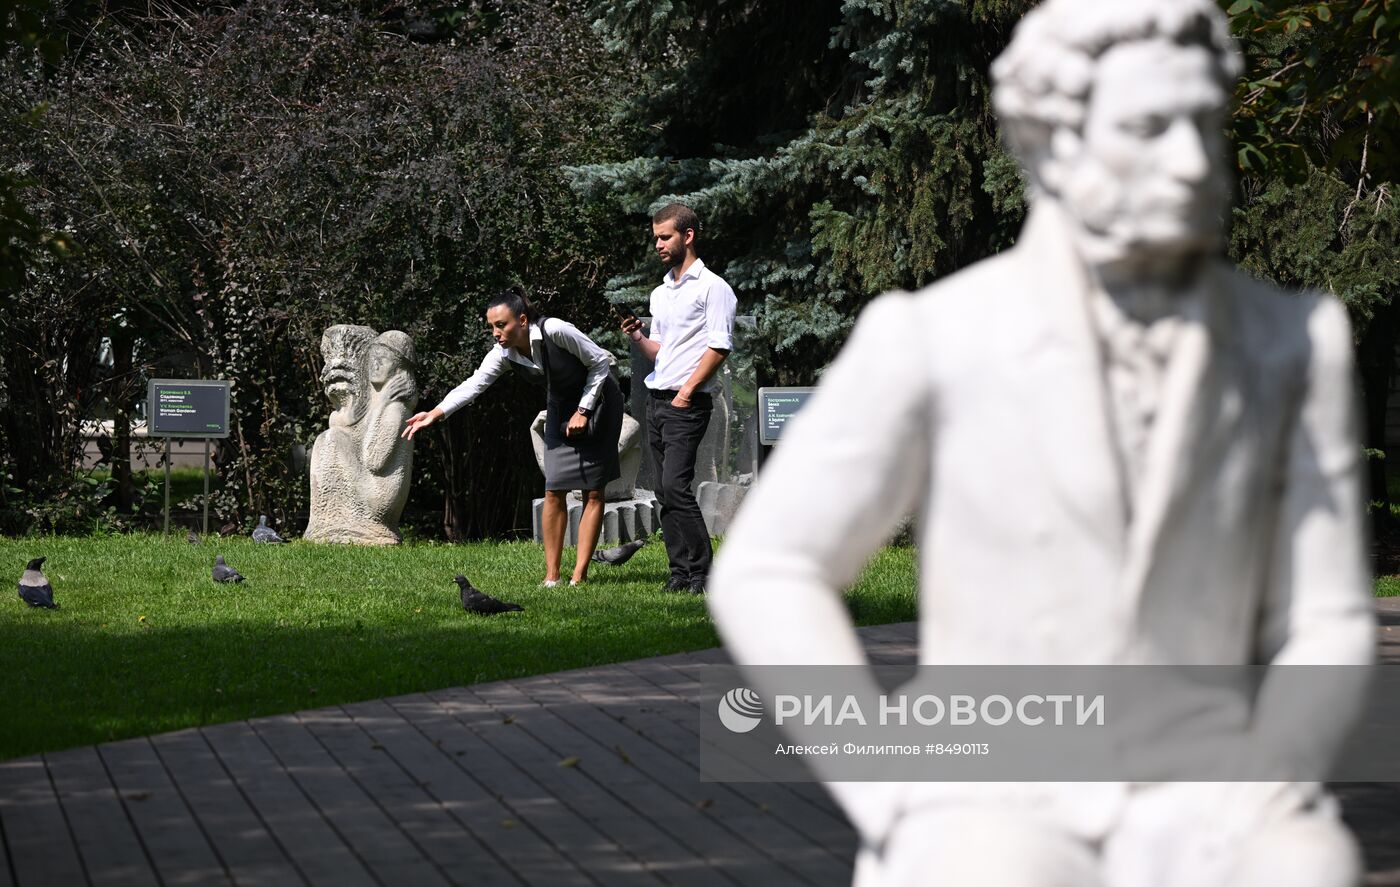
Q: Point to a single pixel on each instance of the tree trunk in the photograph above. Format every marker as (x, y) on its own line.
(456, 508)
(1376, 357)
(124, 491)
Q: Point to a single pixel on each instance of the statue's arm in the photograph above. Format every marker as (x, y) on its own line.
(1318, 608)
(382, 436)
(851, 464)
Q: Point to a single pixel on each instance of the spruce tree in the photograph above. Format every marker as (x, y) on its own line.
(833, 152)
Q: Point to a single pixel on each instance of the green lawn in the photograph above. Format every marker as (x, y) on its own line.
(146, 642)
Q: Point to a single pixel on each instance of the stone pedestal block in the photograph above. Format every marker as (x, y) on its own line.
(635, 518)
(718, 504)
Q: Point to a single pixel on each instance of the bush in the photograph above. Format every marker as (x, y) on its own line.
(236, 181)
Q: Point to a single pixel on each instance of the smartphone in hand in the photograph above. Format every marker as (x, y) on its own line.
(627, 320)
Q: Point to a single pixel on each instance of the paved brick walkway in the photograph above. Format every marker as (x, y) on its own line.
(579, 777)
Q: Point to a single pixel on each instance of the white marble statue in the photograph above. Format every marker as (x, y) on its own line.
(1120, 449)
(360, 467)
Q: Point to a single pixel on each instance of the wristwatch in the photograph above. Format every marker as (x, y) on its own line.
(585, 412)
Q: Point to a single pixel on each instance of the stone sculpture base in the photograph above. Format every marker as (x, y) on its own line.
(719, 503)
(357, 536)
(635, 518)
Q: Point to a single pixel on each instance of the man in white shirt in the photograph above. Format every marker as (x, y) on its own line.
(692, 332)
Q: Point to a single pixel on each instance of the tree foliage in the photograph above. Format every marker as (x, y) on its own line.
(229, 181)
(29, 30)
(1318, 136)
(1324, 86)
(839, 153)
(1316, 130)
(239, 180)
(843, 152)
(832, 152)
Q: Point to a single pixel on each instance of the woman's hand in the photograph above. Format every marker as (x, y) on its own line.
(418, 421)
(578, 422)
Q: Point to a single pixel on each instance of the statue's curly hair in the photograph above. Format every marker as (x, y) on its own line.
(1042, 81)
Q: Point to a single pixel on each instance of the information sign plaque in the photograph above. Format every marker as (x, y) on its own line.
(775, 407)
(187, 408)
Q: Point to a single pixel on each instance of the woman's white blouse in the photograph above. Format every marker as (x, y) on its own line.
(563, 334)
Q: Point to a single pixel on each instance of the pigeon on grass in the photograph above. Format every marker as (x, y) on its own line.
(620, 555)
(474, 600)
(263, 533)
(192, 538)
(34, 587)
(223, 572)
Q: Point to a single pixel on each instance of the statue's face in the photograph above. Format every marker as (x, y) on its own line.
(379, 364)
(341, 347)
(1147, 174)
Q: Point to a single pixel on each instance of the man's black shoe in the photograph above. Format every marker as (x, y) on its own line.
(697, 585)
(677, 583)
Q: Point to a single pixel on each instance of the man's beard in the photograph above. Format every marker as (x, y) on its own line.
(1111, 228)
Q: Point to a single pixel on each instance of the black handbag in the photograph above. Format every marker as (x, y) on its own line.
(586, 434)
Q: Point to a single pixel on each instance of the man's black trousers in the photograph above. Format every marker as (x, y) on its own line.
(674, 436)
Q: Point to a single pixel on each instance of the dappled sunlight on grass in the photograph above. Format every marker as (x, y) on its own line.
(145, 641)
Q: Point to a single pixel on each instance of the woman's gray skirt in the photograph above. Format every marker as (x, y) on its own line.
(589, 464)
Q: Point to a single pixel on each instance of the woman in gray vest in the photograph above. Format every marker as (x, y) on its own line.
(582, 424)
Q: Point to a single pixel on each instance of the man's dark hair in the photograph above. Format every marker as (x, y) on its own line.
(681, 215)
(516, 303)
